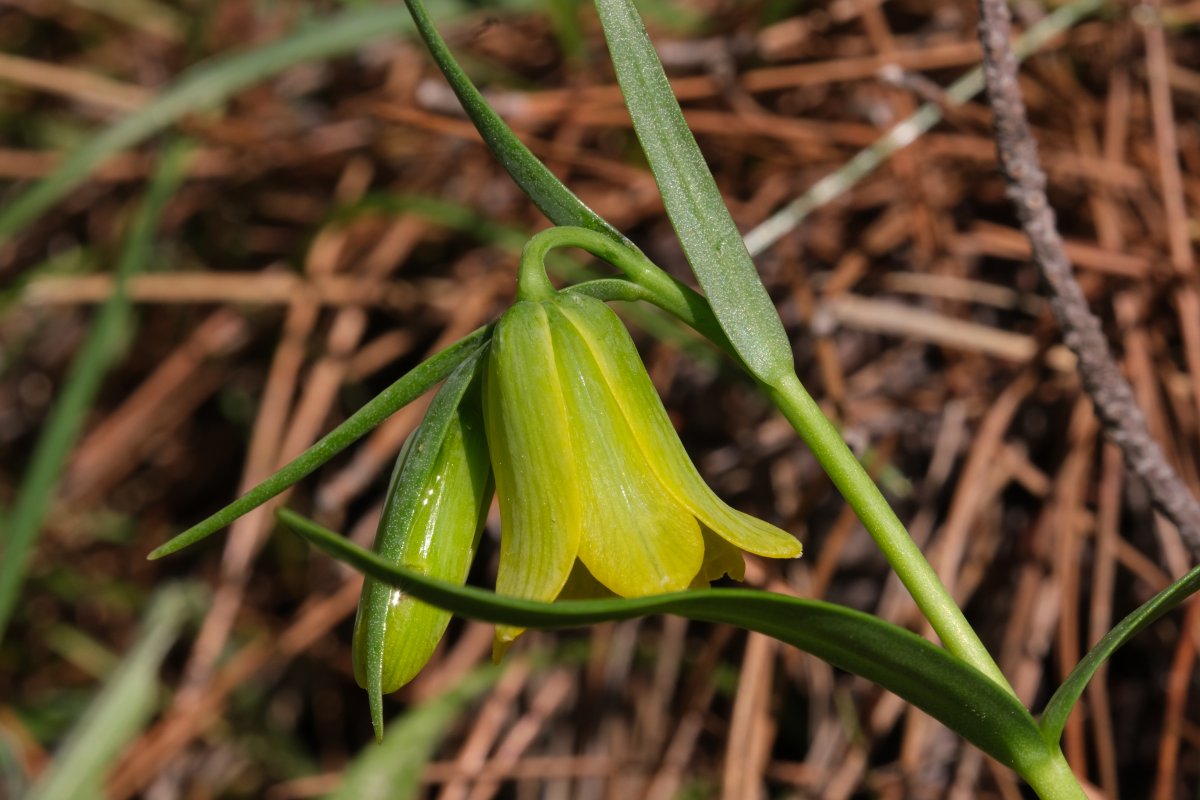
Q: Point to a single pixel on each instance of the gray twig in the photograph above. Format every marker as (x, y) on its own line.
(1123, 421)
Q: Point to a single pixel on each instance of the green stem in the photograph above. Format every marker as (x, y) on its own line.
(930, 594)
(532, 281)
(1054, 780)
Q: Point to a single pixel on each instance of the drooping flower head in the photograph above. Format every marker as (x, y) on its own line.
(589, 470)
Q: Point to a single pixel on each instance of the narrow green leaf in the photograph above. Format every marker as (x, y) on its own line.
(925, 675)
(710, 239)
(556, 201)
(1054, 717)
(99, 351)
(392, 771)
(399, 394)
(122, 707)
(420, 461)
(202, 88)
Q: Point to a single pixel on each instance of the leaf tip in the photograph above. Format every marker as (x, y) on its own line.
(174, 545)
(377, 716)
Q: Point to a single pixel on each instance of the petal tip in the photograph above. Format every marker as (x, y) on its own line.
(504, 639)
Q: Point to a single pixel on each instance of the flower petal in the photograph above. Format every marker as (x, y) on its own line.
(638, 538)
(536, 475)
(618, 359)
(720, 559)
(436, 505)
(582, 585)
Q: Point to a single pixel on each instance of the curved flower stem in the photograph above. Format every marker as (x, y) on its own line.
(791, 398)
(661, 289)
(532, 281)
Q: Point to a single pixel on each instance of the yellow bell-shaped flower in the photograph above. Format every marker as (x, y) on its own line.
(588, 467)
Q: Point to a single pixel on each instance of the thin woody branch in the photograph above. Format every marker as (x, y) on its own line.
(1123, 421)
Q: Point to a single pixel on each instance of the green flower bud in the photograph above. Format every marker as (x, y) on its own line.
(437, 503)
(588, 467)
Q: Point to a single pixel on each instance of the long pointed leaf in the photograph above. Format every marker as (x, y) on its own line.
(1054, 717)
(556, 201)
(711, 241)
(920, 672)
(386, 403)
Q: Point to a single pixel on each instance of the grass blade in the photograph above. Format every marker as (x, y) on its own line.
(710, 239)
(920, 672)
(1054, 717)
(79, 388)
(121, 708)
